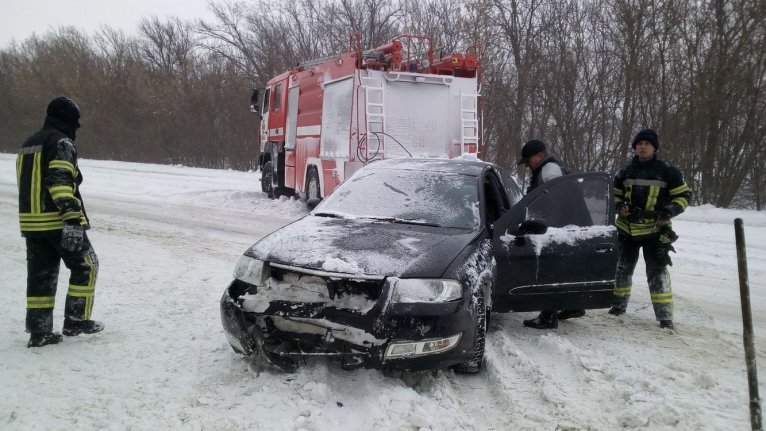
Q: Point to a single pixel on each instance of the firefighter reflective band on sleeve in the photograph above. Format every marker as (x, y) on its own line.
(662, 298)
(41, 301)
(678, 190)
(618, 192)
(71, 215)
(622, 291)
(61, 164)
(59, 192)
(682, 202)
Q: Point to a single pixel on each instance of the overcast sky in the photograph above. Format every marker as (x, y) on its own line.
(19, 19)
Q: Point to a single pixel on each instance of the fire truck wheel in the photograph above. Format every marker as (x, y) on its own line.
(263, 182)
(267, 180)
(312, 184)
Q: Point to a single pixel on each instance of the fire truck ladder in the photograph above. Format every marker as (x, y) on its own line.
(375, 114)
(469, 115)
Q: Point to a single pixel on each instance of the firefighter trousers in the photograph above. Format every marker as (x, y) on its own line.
(44, 256)
(657, 275)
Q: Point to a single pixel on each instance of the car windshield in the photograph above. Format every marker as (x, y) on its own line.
(406, 196)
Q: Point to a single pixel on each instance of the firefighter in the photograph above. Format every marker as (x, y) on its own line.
(648, 193)
(544, 167)
(53, 222)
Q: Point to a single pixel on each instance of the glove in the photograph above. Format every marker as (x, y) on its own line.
(662, 219)
(624, 210)
(72, 237)
(663, 254)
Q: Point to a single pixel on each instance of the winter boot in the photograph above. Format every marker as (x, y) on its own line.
(666, 324)
(77, 327)
(570, 314)
(617, 310)
(544, 320)
(43, 339)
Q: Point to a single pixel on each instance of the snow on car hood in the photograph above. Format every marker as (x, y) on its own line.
(363, 247)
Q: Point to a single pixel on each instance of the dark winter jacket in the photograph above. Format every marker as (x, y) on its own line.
(48, 180)
(651, 189)
(538, 177)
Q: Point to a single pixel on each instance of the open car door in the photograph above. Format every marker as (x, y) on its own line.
(557, 247)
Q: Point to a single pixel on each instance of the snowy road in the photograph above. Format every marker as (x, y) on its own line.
(167, 238)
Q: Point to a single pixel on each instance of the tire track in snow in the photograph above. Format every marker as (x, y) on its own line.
(558, 380)
(535, 372)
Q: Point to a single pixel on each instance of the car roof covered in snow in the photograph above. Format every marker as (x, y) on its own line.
(461, 165)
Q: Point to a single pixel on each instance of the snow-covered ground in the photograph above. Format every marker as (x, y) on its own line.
(167, 238)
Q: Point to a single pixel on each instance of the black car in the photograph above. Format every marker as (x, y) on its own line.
(401, 265)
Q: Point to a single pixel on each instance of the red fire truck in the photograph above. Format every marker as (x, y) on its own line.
(324, 119)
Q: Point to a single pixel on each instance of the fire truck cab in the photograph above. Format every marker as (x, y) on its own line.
(324, 119)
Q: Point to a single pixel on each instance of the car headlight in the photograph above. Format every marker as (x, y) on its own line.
(408, 349)
(411, 290)
(251, 270)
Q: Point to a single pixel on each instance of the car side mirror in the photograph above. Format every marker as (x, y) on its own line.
(312, 203)
(533, 226)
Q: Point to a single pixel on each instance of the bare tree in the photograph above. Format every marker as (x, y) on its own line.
(517, 55)
(167, 46)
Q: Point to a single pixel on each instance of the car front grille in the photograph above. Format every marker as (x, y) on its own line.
(342, 289)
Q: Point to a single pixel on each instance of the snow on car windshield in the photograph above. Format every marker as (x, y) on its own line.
(439, 198)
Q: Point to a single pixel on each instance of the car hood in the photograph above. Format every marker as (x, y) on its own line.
(363, 247)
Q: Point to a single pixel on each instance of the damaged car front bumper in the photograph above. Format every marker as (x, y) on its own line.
(298, 313)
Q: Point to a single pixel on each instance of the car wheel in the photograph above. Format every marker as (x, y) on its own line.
(473, 365)
(312, 184)
(268, 182)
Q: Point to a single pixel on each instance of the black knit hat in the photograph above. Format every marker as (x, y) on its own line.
(530, 149)
(65, 110)
(647, 135)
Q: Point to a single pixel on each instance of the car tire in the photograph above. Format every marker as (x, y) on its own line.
(268, 182)
(473, 365)
(312, 184)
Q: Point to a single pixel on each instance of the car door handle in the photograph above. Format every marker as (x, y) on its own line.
(603, 248)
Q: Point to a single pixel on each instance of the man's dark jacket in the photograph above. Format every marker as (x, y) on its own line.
(536, 179)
